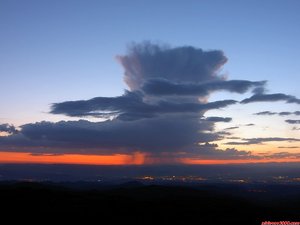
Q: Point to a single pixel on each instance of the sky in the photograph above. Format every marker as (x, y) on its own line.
(146, 82)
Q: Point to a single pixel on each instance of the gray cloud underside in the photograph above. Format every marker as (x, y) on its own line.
(293, 121)
(271, 98)
(170, 133)
(8, 128)
(252, 141)
(165, 87)
(117, 136)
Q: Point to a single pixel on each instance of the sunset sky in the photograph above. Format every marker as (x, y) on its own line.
(149, 82)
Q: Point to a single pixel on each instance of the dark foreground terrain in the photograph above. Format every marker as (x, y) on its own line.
(135, 203)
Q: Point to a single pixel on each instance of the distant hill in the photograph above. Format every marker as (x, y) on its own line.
(135, 203)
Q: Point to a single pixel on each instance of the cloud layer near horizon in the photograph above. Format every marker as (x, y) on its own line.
(161, 112)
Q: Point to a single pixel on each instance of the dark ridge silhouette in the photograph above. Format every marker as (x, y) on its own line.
(135, 203)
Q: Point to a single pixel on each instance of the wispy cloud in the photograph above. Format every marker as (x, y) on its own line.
(231, 128)
(271, 98)
(218, 119)
(269, 113)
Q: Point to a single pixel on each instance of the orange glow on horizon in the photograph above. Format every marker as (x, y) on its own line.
(117, 159)
(136, 158)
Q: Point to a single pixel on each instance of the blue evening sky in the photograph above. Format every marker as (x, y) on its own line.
(58, 50)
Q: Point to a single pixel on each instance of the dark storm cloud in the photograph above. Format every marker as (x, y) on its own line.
(271, 98)
(269, 113)
(182, 64)
(165, 87)
(131, 106)
(8, 128)
(150, 135)
(252, 141)
(293, 121)
(218, 119)
(117, 136)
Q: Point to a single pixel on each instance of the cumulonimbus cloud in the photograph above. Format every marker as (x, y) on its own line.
(160, 112)
(180, 64)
